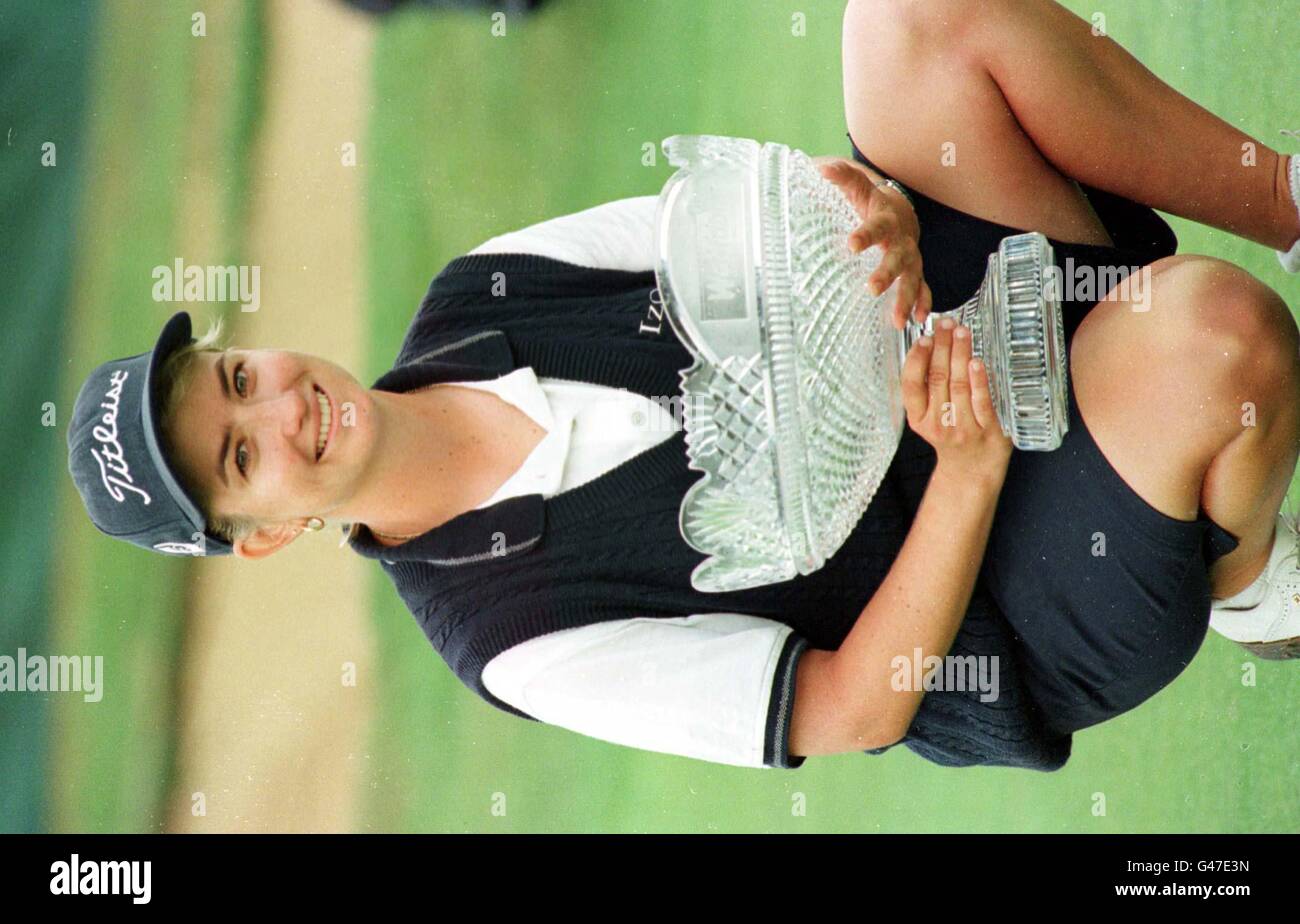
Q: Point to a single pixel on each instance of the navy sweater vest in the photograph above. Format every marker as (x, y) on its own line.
(611, 549)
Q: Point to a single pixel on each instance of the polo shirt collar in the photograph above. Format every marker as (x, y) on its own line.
(506, 528)
(543, 471)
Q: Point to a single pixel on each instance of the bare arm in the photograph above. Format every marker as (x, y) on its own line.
(844, 700)
(850, 703)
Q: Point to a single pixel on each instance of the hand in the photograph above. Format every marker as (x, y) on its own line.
(949, 405)
(889, 220)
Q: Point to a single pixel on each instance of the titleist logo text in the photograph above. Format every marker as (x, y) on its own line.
(109, 455)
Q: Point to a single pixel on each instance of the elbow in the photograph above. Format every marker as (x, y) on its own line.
(881, 732)
(889, 726)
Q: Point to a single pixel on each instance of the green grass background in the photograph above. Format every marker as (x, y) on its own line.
(472, 135)
(36, 205)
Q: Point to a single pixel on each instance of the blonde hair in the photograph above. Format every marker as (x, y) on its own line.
(173, 379)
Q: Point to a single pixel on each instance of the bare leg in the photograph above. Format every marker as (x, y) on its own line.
(1091, 111)
(917, 77)
(1195, 406)
(924, 108)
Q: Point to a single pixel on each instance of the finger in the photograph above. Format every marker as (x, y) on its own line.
(908, 284)
(879, 228)
(924, 302)
(832, 169)
(895, 261)
(852, 182)
(959, 384)
(915, 391)
(981, 397)
(839, 167)
(939, 373)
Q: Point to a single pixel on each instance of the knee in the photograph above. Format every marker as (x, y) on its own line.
(1224, 316)
(939, 22)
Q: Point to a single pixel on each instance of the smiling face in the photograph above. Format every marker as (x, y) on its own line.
(247, 432)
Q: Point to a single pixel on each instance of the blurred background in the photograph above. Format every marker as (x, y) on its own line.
(350, 153)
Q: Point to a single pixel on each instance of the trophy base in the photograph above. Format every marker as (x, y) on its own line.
(1018, 332)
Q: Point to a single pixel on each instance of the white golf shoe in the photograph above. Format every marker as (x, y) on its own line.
(1265, 617)
(1290, 259)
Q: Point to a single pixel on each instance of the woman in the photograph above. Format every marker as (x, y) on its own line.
(512, 485)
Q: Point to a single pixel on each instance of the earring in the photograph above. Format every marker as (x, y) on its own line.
(315, 524)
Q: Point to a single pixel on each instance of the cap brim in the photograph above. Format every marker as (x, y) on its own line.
(176, 333)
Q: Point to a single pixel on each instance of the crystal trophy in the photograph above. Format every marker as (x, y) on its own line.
(793, 404)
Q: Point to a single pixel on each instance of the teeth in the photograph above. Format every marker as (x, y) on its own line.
(324, 423)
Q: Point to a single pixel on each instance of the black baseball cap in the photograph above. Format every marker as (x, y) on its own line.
(115, 455)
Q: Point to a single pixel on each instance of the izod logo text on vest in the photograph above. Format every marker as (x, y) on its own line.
(654, 314)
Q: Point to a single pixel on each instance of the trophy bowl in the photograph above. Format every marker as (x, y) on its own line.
(793, 404)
